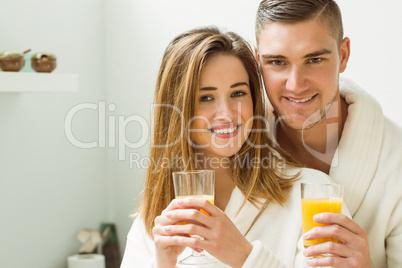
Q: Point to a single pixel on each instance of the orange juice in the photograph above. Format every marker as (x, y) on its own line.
(313, 206)
(210, 198)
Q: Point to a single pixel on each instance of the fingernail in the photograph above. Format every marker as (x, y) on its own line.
(306, 235)
(317, 217)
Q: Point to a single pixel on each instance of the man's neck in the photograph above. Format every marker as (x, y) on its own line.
(315, 147)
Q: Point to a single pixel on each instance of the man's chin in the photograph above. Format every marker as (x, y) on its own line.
(301, 123)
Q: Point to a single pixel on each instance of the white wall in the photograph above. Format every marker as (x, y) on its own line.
(146, 27)
(376, 41)
(374, 30)
(50, 189)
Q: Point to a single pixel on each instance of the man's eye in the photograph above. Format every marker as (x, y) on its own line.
(205, 98)
(238, 94)
(277, 62)
(315, 60)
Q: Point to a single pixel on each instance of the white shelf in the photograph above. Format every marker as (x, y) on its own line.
(38, 82)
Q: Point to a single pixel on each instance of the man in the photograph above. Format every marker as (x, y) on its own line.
(333, 126)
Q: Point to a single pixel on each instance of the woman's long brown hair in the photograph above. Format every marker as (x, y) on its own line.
(255, 169)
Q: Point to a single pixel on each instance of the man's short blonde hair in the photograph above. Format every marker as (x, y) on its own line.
(294, 11)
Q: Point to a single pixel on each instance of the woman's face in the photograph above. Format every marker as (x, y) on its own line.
(224, 116)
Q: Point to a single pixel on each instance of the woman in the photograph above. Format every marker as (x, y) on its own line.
(209, 114)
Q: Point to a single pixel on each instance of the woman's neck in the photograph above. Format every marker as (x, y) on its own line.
(224, 184)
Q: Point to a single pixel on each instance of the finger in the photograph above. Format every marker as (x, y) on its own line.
(165, 241)
(167, 231)
(333, 248)
(163, 221)
(159, 230)
(192, 242)
(339, 219)
(188, 215)
(331, 261)
(199, 203)
(185, 230)
(172, 206)
(344, 236)
(350, 241)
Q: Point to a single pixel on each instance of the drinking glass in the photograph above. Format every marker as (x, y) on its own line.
(318, 198)
(195, 184)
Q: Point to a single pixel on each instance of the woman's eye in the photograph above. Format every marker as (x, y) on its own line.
(205, 98)
(238, 94)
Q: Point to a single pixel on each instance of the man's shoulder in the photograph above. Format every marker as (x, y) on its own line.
(390, 158)
(392, 129)
(392, 141)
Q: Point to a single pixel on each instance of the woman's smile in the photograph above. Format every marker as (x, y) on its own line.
(223, 131)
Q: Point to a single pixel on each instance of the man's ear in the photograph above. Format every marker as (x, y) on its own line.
(257, 55)
(344, 52)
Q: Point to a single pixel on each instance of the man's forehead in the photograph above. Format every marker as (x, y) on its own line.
(299, 38)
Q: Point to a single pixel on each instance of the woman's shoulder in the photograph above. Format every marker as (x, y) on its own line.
(138, 225)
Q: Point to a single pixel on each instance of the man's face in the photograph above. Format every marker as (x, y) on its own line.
(300, 65)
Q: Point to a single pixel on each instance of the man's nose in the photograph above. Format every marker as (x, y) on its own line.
(296, 80)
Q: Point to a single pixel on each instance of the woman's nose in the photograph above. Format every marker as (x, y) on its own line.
(226, 110)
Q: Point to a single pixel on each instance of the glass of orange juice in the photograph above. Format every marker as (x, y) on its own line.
(318, 198)
(195, 184)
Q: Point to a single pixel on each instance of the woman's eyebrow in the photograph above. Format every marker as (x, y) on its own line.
(208, 88)
(239, 84)
(232, 86)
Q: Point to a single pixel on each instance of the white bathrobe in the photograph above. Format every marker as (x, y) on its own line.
(369, 164)
(275, 236)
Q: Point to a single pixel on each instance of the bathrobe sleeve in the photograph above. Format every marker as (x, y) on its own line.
(394, 240)
(140, 250)
(263, 257)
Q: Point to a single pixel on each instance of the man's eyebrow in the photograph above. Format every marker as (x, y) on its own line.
(309, 55)
(318, 53)
(272, 56)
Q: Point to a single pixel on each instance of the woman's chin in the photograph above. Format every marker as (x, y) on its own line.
(225, 152)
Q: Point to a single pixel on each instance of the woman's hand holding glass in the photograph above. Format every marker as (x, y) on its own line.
(221, 238)
(166, 251)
